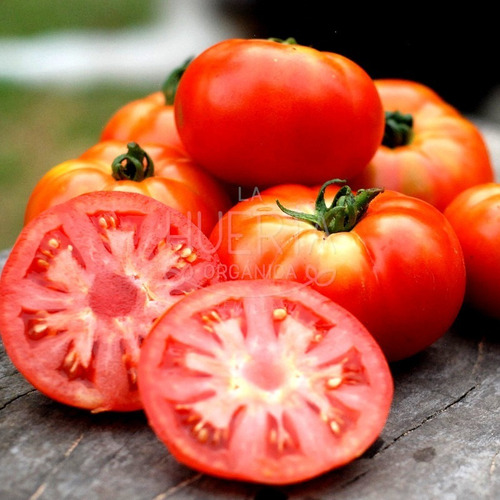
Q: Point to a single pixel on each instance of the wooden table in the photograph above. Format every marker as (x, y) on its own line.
(442, 438)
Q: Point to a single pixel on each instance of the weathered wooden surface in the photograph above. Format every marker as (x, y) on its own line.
(442, 439)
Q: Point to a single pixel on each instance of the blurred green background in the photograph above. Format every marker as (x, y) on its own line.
(42, 125)
(45, 122)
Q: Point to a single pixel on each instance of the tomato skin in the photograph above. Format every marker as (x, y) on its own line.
(400, 270)
(475, 217)
(258, 112)
(146, 120)
(82, 286)
(177, 182)
(237, 392)
(446, 155)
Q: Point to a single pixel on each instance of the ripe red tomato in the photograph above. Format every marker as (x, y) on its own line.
(149, 119)
(83, 284)
(475, 217)
(265, 381)
(392, 260)
(158, 171)
(429, 150)
(260, 112)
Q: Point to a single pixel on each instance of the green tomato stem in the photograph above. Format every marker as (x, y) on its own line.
(344, 212)
(169, 88)
(134, 165)
(398, 129)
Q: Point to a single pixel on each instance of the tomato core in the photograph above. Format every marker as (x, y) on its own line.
(265, 374)
(112, 285)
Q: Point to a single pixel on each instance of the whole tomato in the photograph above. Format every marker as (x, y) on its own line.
(475, 217)
(429, 149)
(392, 260)
(160, 172)
(264, 112)
(149, 119)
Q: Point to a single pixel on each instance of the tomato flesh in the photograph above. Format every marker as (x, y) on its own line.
(82, 286)
(264, 381)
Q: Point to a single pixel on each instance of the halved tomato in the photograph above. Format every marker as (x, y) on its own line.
(263, 380)
(83, 284)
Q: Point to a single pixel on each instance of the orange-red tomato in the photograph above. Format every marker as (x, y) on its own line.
(149, 119)
(146, 120)
(475, 217)
(164, 174)
(429, 150)
(394, 262)
(259, 113)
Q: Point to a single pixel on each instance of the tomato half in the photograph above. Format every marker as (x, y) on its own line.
(429, 149)
(475, 217)
(149, 119)
(392, 260)
(261, 112)
(83, 284)
(264, 381)
(154, 170)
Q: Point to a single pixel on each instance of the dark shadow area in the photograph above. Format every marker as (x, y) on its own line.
(453, 52)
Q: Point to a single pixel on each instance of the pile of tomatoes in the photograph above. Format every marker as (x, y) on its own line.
(244, 254)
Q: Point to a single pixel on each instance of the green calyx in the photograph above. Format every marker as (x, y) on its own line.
(344, 212)
(134, 165)
(286, 41)
(172, 82)
(398, 129)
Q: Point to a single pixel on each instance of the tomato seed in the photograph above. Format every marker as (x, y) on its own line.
(216, 436)
(202, 435)
(47, 253)
(273, 436)
(70, 363)
(186, 252)
(334, 426)
(43, 263)
(318, 337)
(215, 316)
(53, 243)
(333, 382)
(191, 257)
(37, 331)
(279, 314)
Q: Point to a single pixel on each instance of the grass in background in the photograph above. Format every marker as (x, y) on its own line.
(30, 17)
(40, 128)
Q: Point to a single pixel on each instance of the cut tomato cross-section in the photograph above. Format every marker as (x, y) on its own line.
(82, 286)
(265, 381)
